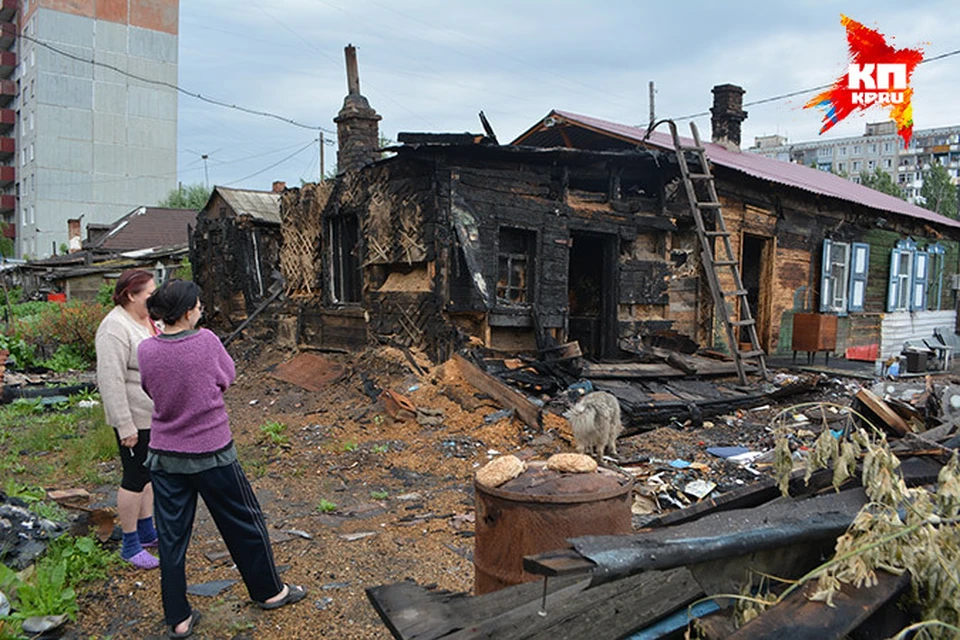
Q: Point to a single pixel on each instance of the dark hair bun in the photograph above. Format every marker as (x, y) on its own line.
(172, 300)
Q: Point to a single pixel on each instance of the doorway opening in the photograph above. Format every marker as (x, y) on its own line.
(754, 271)
(593, 294)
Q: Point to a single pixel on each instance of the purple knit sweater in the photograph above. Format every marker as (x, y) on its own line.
(186, 378)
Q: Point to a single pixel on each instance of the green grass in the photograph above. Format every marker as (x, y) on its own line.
(381, 448)
(326, 506)
(349, 446)
(379, 495)
(274, 433)
(66, 443)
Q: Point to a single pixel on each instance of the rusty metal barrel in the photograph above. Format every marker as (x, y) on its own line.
(537, 512)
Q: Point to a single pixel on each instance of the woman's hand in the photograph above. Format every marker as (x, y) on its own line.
(130, 442)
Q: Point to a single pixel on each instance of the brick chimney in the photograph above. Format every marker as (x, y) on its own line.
(279, 186)
(358, 131)
(73, 235)
(726, 115)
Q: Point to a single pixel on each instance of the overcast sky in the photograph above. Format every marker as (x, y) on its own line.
(430, 65)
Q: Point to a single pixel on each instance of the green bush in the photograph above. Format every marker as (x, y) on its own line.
(105, 294)
(67, 358)
(45, 327)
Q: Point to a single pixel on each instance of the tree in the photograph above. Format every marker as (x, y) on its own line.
(938, 192)
(192, 196)
(881, 181)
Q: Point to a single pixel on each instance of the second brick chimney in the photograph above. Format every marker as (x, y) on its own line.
(358, 131)
(726, 115)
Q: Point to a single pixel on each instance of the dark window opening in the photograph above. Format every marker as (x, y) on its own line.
(515, 266)
(590, 181)
(344, 245)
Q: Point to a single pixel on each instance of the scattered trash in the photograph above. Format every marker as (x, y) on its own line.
(429, 417)
(42, 624)
(699, 488)
(360, 535)
(88, 404)
(679, 464)
(323, 603)
(4, 604)
(727, 452)
(298, 532)
(497, 416)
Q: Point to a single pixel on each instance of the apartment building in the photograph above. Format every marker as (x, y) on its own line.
(86, 131)
(878, 148)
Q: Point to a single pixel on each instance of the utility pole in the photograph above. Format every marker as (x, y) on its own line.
(321, 156)
(206, 176)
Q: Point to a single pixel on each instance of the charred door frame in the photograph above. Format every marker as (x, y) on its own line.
(766, 275)
(609, 290)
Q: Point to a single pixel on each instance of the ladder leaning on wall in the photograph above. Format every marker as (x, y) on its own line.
(721, 256)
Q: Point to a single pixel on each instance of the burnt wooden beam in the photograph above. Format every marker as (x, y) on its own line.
(715, 536)
(798, 618)
(572, 611)
(507, 397)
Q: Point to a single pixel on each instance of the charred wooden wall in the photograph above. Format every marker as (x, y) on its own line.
(235, 261)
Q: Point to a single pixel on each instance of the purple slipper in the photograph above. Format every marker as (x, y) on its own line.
(143, 560)
(150, 544)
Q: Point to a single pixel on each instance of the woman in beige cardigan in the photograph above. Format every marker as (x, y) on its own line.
(128, 409)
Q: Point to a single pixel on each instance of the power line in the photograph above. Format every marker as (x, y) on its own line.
(170, 85)
(793, 94)
(279, 162)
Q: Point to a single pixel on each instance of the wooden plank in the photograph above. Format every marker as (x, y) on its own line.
(633, 370)
(798, 618)
(722, 535)
(507, 397)
(412, 612)
(883, 411)
(606, 612)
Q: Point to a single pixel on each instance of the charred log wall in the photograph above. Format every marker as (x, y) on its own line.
(234, 261)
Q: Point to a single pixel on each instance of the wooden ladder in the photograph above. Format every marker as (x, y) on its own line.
(722, 257)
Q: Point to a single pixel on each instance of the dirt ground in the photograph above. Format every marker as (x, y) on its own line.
(398, 496)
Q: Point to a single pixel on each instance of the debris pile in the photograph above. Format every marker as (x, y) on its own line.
(714, 527)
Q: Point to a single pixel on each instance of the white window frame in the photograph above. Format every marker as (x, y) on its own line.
(901, 292)
(843, 276)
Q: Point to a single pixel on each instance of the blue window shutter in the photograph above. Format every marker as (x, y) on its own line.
(859, 266)
(918, 289)
(892, 284)
(825, 293)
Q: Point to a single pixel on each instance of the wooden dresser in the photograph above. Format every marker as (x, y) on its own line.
(814, 332)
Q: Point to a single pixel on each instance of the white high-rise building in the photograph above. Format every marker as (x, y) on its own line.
(878, 148)
(88, 113)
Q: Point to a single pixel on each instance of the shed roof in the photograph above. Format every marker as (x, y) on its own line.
(146, 228)
(260, 205)
(547, 133)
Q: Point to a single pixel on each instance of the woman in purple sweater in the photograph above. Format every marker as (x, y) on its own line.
(186, 371)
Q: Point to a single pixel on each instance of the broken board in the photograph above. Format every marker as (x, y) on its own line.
(309, 371)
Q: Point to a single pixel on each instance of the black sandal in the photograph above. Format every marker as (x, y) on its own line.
(295, 593)
(194, 619)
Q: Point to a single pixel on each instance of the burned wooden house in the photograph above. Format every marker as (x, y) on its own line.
(455, 237)
(853, 269)
(235, 252)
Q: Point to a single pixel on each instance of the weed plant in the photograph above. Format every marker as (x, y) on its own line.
(900, 529)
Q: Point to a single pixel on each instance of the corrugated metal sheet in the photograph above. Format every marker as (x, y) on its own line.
(786, 173)
(262, 205)
(897, 328)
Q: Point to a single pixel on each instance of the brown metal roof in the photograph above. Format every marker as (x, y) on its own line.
(548, 132)
(145, 228)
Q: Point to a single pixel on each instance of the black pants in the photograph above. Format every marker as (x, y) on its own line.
(237, 514)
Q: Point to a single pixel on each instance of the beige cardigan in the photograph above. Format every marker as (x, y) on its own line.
(127, 406)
